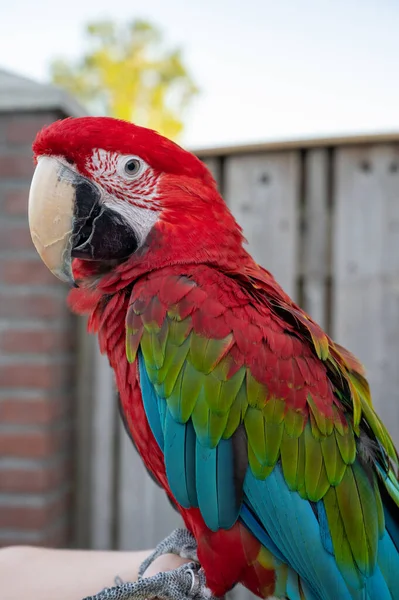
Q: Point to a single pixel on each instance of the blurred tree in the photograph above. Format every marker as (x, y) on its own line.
(127, 74)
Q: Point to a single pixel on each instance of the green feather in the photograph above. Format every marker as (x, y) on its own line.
(133, 339)
(173, 356)
(260, 471)
(159, 341)
(347, 446)
(224, 367)
(212, 388)
(324, 424)
(174, 367)
(317, 434)
(274, 410)
(294, 422)
(217, 425)
(226, 391)
(359, 514)
(174, 400)
(200, 417)
(256, 392)
(237, 412)
(379, 431)
(289, 459)
(179, 330)
(301, 467)
(316, 482)
(335, 466)
(273, 436)
(254, 426)
(149, 316)
(192, 384)
(379, 507)
(205, 353)
(342, 549)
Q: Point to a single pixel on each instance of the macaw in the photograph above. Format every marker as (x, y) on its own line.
(259, 427)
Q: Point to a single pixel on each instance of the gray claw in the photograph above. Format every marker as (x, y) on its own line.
(179, 542)
(183, 583)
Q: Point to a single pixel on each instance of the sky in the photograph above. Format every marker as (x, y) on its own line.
(267, 69)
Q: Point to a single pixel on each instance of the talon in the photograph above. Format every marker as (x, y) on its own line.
(170, 585)
(194, 580)
(180, 542)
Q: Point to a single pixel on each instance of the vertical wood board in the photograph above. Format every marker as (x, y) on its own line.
(215, 167)
(262, 191)
(103, 453)
(366, 268)
(315, 236)
(145, 516)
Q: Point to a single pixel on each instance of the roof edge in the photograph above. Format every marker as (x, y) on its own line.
(298, 144)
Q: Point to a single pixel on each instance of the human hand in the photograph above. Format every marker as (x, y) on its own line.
(165, 562)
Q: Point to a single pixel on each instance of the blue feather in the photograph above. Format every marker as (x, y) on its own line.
(228, 503)
(324, 528)
(293, 527)
(151, 403)
(252, 523)
(190, 464)
(376, 587)
(175, 459)
(206, 478)
(392, 528)
(388, 562)
(292, 590)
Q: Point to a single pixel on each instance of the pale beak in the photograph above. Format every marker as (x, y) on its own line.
(69, 219)
(51, 209)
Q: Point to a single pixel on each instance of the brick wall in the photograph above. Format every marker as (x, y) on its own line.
(36, 361)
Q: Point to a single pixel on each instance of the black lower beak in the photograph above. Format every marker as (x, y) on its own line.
(99, 232)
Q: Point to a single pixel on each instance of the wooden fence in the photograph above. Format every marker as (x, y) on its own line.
(323, 217)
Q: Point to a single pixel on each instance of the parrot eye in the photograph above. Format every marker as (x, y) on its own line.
(133, 167)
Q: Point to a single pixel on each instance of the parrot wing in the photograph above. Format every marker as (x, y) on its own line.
(262, 418)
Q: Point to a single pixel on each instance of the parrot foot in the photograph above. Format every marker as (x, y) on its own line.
(187, 582)
(180, 542)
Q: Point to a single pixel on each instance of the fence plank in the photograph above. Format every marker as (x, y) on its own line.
(84, 434)
(366, 268)
(262, 191)
(145, 516)
(103, 454)
(215, 167)
(315, 259)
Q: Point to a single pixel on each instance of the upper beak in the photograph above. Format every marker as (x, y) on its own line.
(68, 219)
(51, 208)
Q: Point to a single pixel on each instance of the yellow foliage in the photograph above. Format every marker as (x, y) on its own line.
(127, 74)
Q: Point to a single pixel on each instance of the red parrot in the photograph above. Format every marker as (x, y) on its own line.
(258, 426)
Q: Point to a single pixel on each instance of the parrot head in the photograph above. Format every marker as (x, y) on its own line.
(109, 193)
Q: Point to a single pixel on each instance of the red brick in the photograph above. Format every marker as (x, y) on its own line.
(16, 201)
(31, 412)
(23, 130)
(35, 480)
(34, 517)
(40, 306)
(16, 165)
(33, 444)
(36, 340)
(15, 237)
(39, 376)
(26, 272)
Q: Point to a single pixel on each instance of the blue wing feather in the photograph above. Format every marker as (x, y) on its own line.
(280, 519)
